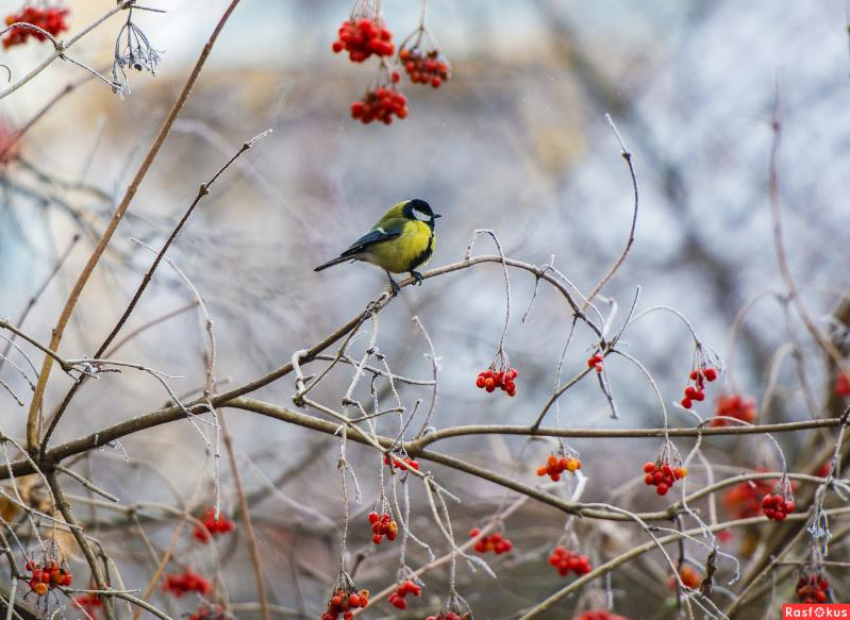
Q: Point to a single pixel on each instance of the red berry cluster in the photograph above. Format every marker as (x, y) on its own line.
(690, 577)
(425, 67)
(595, 362)
(555, 466)
(490, 380)
(89, 603)
(696, 392)
(662, 476)
(813, 588)
(400, 461)
(776, 506)
(209, 612)
(49, 19)
(449, 615)
(565, 561)
(408, 587)
(842, 384)
(734, 406)
(382, 525)
(380, 104)
(212, 527)
(600, 614)
(744, 499)
(189, 581)
(343, 601)
(47, 576)
(494, 542)
(363, 37)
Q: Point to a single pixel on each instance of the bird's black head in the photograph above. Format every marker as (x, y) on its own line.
(417, 209)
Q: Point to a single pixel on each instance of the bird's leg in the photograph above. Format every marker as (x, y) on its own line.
(393, 284)
(417, 277)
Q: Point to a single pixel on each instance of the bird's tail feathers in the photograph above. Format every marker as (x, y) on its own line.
(331, 263)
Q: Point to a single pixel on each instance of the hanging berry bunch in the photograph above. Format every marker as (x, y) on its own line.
(455, 608)
(345, 597)
(48, 574)
(734, 406)
(212, 527)
(779, 503)
(491, 379)
(595, 362)
(88, 603)
(383, 524)
(495, 542)
(842, 384)
(744, 499)
(422, 60)
(666, 470)
(210, 612)
(813, 586)
(397, 598)
(51, 19)
(695, 390)
(179, 584)
(400, 460)
(565, 562)
(382, 101)
(600, 614)
(556, 465)
(691, 577)
(364, 33)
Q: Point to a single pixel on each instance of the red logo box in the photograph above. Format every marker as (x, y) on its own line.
(815, 611)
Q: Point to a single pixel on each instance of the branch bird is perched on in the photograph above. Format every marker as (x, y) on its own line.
(401, 241)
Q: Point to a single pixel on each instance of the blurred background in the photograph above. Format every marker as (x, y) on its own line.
(516, 142)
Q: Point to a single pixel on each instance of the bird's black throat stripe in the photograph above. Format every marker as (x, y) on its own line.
(425, 254)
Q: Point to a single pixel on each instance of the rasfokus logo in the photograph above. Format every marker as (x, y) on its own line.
(816, 611)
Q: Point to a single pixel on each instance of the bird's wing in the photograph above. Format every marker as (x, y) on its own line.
(391, 229)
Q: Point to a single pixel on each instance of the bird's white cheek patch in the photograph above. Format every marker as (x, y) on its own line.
(421, 215)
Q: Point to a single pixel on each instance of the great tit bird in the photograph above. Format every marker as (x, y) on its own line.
(401, 241)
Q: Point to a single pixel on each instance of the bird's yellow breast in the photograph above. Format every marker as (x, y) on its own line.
(405, 253)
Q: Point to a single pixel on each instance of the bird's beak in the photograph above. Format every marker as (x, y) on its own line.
(436, 215)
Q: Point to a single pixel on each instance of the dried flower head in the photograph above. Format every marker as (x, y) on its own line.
(133, 50)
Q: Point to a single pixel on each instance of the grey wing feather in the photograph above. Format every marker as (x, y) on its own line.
(371, 238)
